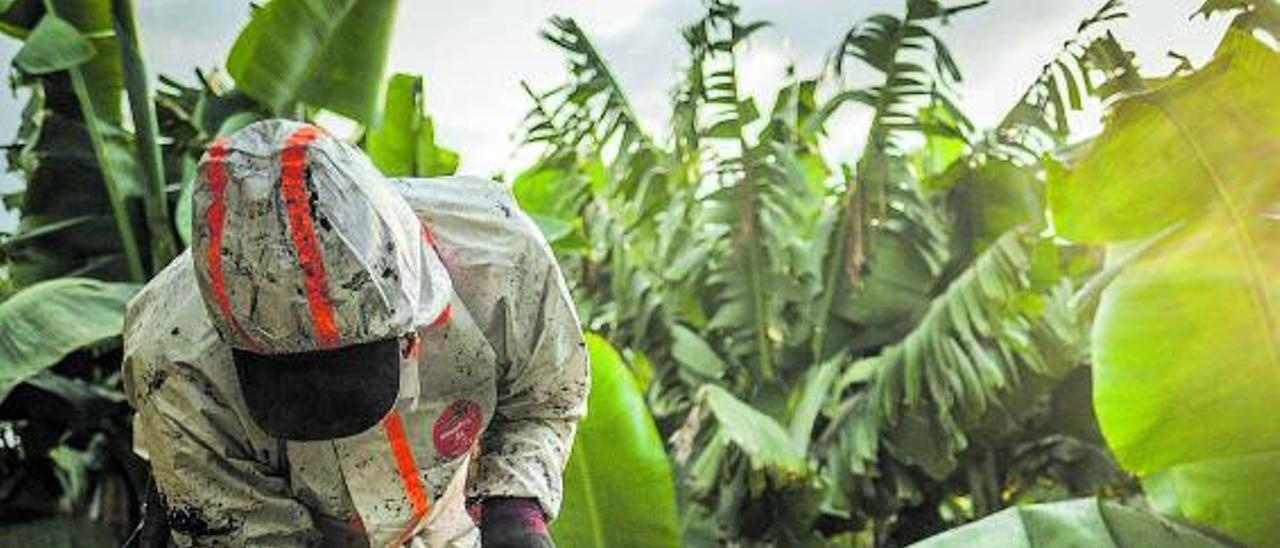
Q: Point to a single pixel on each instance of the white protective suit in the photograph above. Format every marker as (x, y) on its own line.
(489, 410)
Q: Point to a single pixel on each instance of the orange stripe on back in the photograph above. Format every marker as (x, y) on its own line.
(293, 164)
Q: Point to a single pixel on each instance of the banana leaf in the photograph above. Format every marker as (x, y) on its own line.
(1081, 522)
(403, 144)
(619, 491)
(1208, 139)
(1185, 340)
(53, 45)
(329, 54)
(43, 323)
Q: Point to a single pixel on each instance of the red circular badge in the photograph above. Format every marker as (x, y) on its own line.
(456, 429)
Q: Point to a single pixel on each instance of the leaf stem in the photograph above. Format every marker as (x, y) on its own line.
(146, 138)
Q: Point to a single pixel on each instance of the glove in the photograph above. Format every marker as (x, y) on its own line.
(513, 523)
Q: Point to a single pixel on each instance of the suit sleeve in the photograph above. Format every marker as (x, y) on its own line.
(542, 387)
(216, 488)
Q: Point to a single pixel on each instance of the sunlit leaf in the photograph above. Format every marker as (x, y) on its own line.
(1207, 140)
(403, 143)
(1185, 339)
(618, 484)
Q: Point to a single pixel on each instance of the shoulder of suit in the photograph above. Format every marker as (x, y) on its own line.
(478, 217)
(169, 305)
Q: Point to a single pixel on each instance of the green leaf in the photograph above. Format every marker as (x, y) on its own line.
(330, 54)
(990, 199)
(975, 350)
(1073, 88)
(43, 323)
(940, 150)
(619, 491)
(552, 228)
(695, 353)
(541, 189)
(1185, 340)
(724, 129)
(761, 438)
(52, 46)
(809, 399)
(1234, 494)
(1081, 522)
(1187, 375)
(900, 277)
(1059, 107)
(391, 144)
(592, 94)
(103, 74)
(433, 160)
(403, 144)
(182, 209)
(1197, 142)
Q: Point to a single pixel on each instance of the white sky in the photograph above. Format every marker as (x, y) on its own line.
(474, 54)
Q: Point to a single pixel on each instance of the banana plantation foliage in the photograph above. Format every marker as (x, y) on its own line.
(1018, 335)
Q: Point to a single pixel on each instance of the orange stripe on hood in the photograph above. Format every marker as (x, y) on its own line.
(293, 165)
(214, 218)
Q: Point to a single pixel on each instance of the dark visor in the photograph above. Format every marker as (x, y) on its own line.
(320, 395)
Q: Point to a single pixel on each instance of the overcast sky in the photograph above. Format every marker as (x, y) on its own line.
(474, 54)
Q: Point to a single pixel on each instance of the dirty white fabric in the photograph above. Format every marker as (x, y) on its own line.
(501, 380)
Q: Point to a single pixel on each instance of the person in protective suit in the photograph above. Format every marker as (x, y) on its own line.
(346, 360)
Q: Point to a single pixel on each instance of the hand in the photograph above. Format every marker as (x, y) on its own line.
(513, 523)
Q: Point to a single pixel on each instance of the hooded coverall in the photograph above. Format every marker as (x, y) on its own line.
(490, 411)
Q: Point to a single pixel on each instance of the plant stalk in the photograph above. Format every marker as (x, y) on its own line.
(147, 132)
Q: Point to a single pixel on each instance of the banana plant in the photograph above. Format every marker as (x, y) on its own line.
(747, 200)
(90, 49)
(52, 319)
(716, 292)
(1092, 63)
(891, 46)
